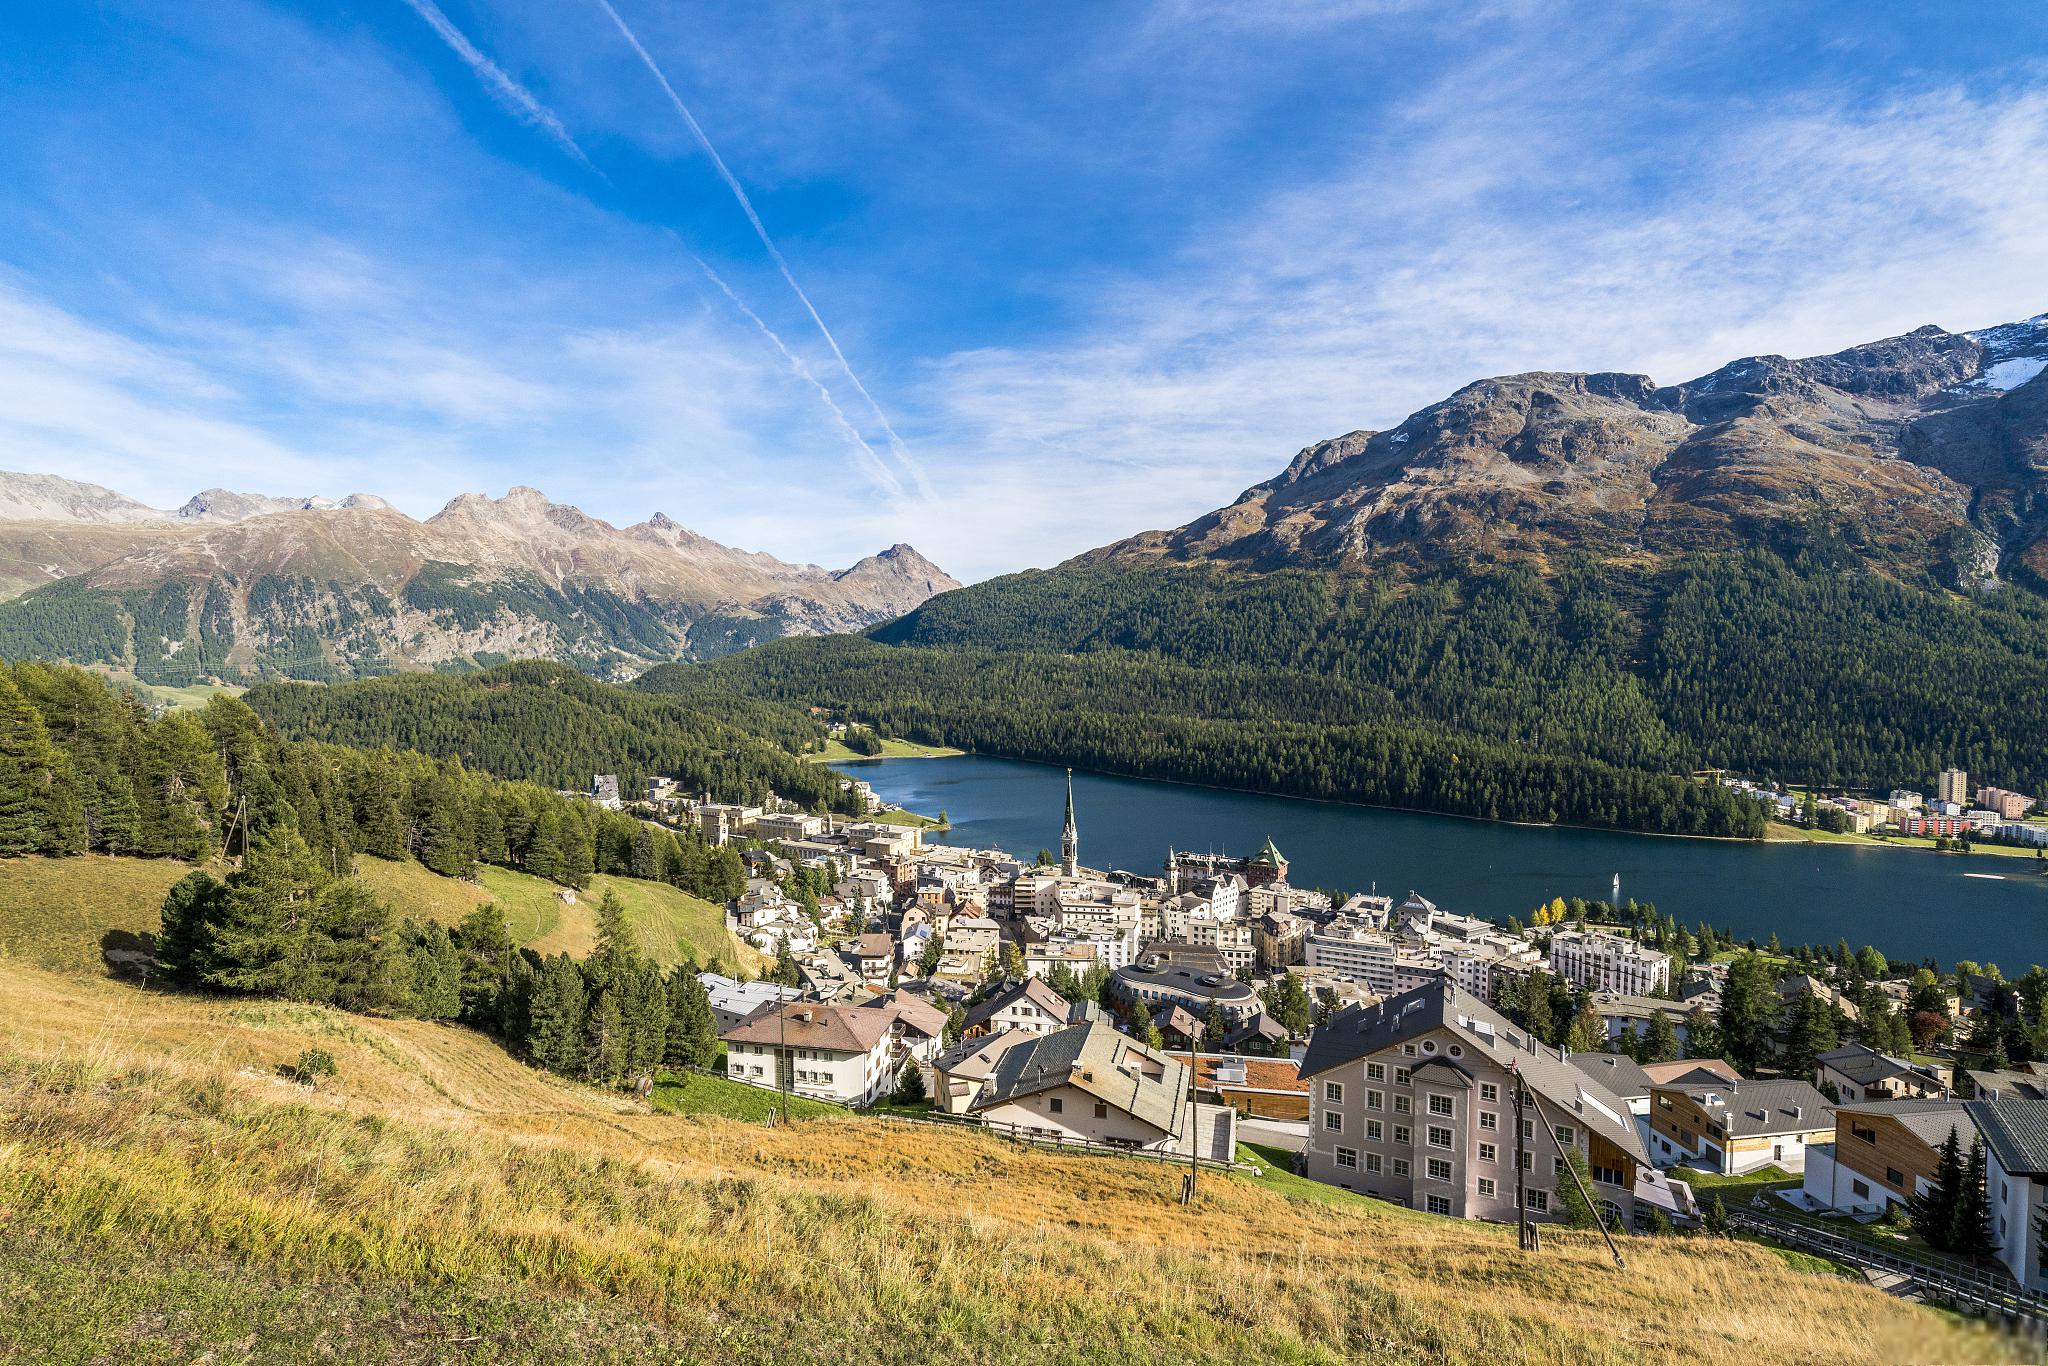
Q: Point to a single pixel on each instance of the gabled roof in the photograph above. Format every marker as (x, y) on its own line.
(1032, 989)
(2016, 1131)
(1617, 1072)
(806, 1024)
(1097, 1059)
(1927, 1120)
(1571, 1094)
(915, 1012)
(1752, 1109)
(1690, 1070)
(974, 1059)
(1864, 1065)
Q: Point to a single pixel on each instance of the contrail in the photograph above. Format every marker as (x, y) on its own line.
(514, 95)
(732, 183)
(525, 103)
(870, 462)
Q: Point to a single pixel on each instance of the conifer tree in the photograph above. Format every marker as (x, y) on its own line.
(349, 955)
(259, 943)
(484, 943)
(435, 967)
(1659, 1041)
(555, 1032)
(190, 911)
(1934, 1212)
(692, 1030)
(1970, 1235)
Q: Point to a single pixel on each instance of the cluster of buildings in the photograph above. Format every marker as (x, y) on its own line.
(1414, 1087)
(1954, 810)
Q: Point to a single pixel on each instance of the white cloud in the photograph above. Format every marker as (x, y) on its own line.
(1352, 302)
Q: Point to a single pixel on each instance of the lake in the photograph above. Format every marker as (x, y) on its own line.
(1911, 903)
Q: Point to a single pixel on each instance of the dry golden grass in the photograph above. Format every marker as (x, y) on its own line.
(134, 1118)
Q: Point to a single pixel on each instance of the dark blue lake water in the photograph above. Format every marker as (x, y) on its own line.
(1910, 903)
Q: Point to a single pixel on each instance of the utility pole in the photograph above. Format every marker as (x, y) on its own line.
(1521, 1162)
(782, 1067)
(1187, 1194)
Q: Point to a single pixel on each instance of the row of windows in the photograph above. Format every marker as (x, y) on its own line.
(1058, 1106)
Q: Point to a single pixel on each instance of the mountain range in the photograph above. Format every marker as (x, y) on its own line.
(1921, 454)
(235, 587)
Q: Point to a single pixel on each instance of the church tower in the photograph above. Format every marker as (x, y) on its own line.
(1070, 838)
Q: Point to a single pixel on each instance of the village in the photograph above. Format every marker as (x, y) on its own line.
(1383, 1045)
(1955, 812)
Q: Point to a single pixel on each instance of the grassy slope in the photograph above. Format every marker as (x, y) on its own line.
(149, 1135)
(53, 912)
(834, 751)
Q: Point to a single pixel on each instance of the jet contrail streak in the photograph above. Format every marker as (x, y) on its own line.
(511, 92)
(732, 183)
(870, 462)
(524, 102)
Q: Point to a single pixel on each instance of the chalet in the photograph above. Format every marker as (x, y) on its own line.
(1089, 1083)
(1736, 1127)
(873, 956)
(2016, 1084)
(1858, 1073)
(1414, 1099)
(733, 1001)
(1029, 1005)
(848, 1054)
(1884, 1152)
(961, 1069)
(921, 1024)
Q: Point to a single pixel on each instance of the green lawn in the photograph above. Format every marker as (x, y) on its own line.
(669, 925)
(910, 818)
(1277, 1175)
(53, 912)
(1782, 833)
(696, 1093)
(834, 752)
(192, 695)
(1734, 1189)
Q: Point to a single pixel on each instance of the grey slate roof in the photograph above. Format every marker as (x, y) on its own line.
(1569, 1094)
(1752, 1109)
(1617, 1072)
(2016, 1131)
(1927, 1120)
(1864, 1065)
(1091, 1057)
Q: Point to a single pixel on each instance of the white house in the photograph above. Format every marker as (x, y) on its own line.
(2016, 1180)
(848, 1054)
(1090, 1083)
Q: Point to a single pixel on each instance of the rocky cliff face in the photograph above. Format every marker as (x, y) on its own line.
(237, 586)
(1925, 451)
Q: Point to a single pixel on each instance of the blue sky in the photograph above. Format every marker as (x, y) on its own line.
(1087, 268)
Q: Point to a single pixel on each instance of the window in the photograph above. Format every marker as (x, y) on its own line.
(1374, 1131)
(1057, 1105)
(1372, 1162)
(1557, 1166)
(1429, 1045)
(1488, 1153)
(1401, 1105)
(1439, 1204)
(1407, 1051)
(1402, 1137)
(1333, 1092)
(1862, 1190)
(1538, 1200)
(1347, 1157)
(1375, 1071)
(1567, 1135)
(1607, 1175)
(1488, 1091)
(1442, 1105)
(1486, 1186)
(1457, 1050)
(1333, 1121)
(1439, 1169)
(1895, 1177)
(1524, 1160)
(1400, 1166)
(1868, 1135)
(1401, 1075)
(1375, 1100)
(1101, 1110)
(1489, 1121)
(1439, 1136)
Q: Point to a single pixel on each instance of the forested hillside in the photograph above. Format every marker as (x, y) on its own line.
(85, 768)
(546, 723)
(1487, 690)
